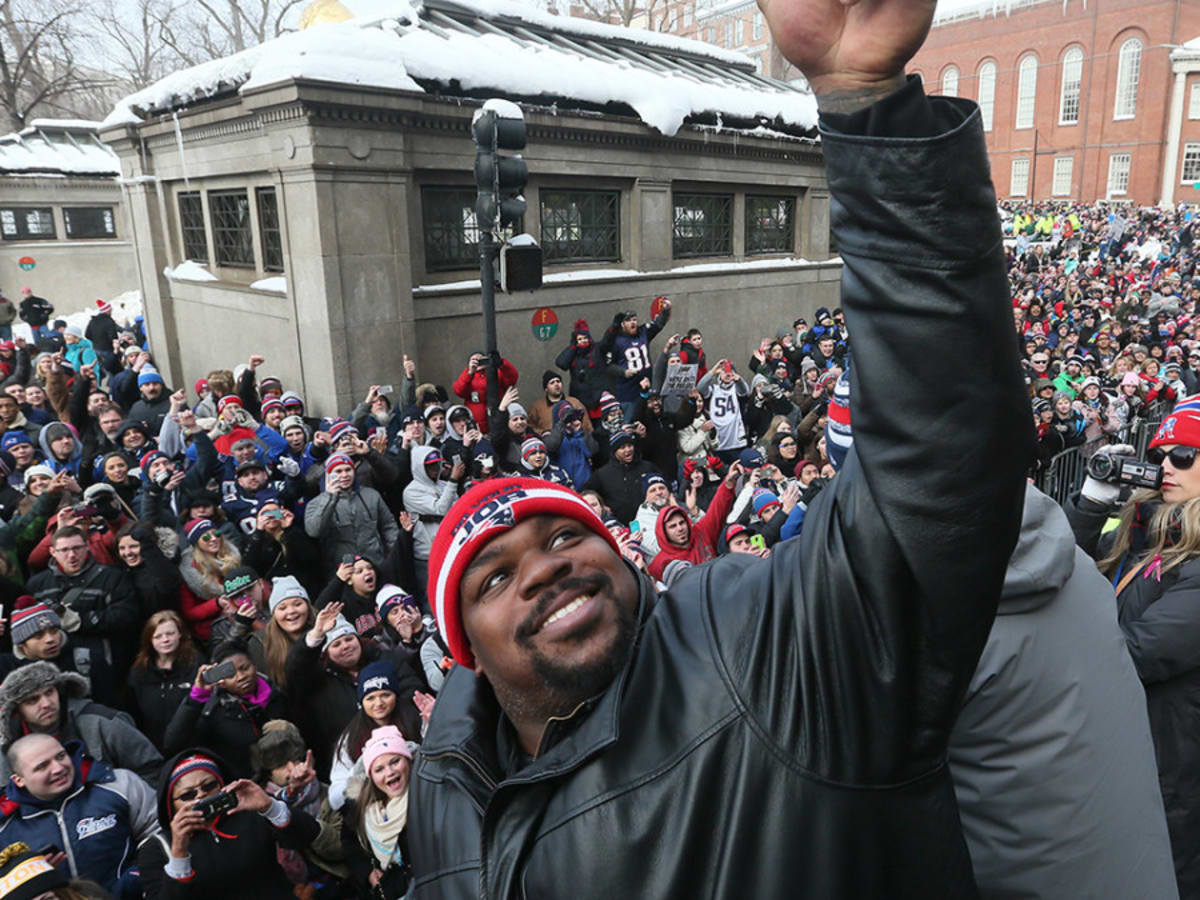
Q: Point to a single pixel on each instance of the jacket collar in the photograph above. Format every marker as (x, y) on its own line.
(468, 716)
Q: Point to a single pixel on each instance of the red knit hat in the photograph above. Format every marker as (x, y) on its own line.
(1182, 426)
(228, 400)
(103, 306)
(486, 511)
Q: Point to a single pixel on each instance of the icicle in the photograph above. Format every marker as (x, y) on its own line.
(179, 144)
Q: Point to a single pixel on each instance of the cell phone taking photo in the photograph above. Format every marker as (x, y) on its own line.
(219, 672)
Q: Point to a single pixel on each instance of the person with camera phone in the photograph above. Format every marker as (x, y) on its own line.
(1152, 557)
(219, 834)
(226, 708)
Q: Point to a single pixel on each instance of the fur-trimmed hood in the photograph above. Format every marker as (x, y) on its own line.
(26, 680)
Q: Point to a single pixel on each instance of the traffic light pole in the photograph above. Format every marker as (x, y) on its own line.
(487, 284)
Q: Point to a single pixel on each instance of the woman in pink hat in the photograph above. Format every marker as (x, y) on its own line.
(376, 815)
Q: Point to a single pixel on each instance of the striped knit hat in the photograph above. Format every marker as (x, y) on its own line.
(838, 436)
(529, 447)
(487, 511)
(338, 459)
(28, 620)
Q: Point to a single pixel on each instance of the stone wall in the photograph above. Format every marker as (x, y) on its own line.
(70, 273)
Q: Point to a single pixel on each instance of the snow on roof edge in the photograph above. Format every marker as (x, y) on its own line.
(509, 9)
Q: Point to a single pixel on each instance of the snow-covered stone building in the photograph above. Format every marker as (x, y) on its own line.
(63, 227)
(317, 192)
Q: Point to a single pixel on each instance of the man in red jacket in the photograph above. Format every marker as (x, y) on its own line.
(471, 385)
(678, 538)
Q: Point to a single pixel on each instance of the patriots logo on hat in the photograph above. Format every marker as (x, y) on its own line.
(375, 684)
(1167, 431)
(488, 518)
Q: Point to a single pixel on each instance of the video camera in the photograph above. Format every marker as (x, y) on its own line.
(1120, 470)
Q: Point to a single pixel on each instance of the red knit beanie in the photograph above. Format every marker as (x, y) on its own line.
(486, 511)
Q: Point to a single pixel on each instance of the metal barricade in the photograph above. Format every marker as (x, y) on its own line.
(1065, 472)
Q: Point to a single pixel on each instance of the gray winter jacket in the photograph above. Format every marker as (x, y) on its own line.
(107, 735)
(355, 522)
(427, 501)
(1051, 756)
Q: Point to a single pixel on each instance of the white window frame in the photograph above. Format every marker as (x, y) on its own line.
(1027, 72)
(741, 32)
(758, 26)
(1019, 174)
(729, 33)
(987, 92)
(1129, 71)
(1071, 89)
(1119, 166)
(1191, 155)
(950, 81)
(1064, 173)
(1194, 101)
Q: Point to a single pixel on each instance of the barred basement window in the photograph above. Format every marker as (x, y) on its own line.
(703, 225)
(27, 224)
(233, 238)
(89, 222)
(451, 230)
(191, 227)
(268, 229)
(770, 224)
(579, 226)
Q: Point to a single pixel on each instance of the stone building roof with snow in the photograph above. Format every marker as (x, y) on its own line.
(57, 147)
(481, 48)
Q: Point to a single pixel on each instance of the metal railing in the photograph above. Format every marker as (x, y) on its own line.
(1064, 474)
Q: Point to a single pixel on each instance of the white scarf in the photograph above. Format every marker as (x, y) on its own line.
(384, 823)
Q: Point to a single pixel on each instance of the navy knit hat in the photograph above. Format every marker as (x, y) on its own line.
(650, 479)
(619, 438)
(380, 675)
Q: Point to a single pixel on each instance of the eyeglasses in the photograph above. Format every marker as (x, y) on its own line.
(1181, 457)
(783, 444)
(192, 793)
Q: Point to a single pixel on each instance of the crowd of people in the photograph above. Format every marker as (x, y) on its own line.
(227, 624)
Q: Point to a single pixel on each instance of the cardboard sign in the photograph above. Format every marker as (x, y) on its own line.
(680, 380)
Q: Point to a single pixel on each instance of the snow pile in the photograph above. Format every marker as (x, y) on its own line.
(277, 283)
(188, 271)
(389, 46)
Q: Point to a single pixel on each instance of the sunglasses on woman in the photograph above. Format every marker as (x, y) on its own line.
(192, 793)
(1181, 457)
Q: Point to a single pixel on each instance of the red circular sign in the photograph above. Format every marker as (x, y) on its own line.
(545, 323)
(657, 306)
(26, 262)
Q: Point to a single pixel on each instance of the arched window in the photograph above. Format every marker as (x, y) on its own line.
(987, 93)
(1129, 67)
(950, 82)
(1027, 73)
(1072, 80)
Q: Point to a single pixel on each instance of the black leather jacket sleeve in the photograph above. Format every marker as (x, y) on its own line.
(870, 625)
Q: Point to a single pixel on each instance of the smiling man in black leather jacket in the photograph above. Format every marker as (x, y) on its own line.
(766, 728)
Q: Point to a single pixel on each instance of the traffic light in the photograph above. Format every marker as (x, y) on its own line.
(498, 126)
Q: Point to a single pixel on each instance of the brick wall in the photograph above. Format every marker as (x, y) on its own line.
(1047, 31)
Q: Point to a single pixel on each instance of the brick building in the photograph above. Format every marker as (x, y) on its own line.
(1082, 99)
